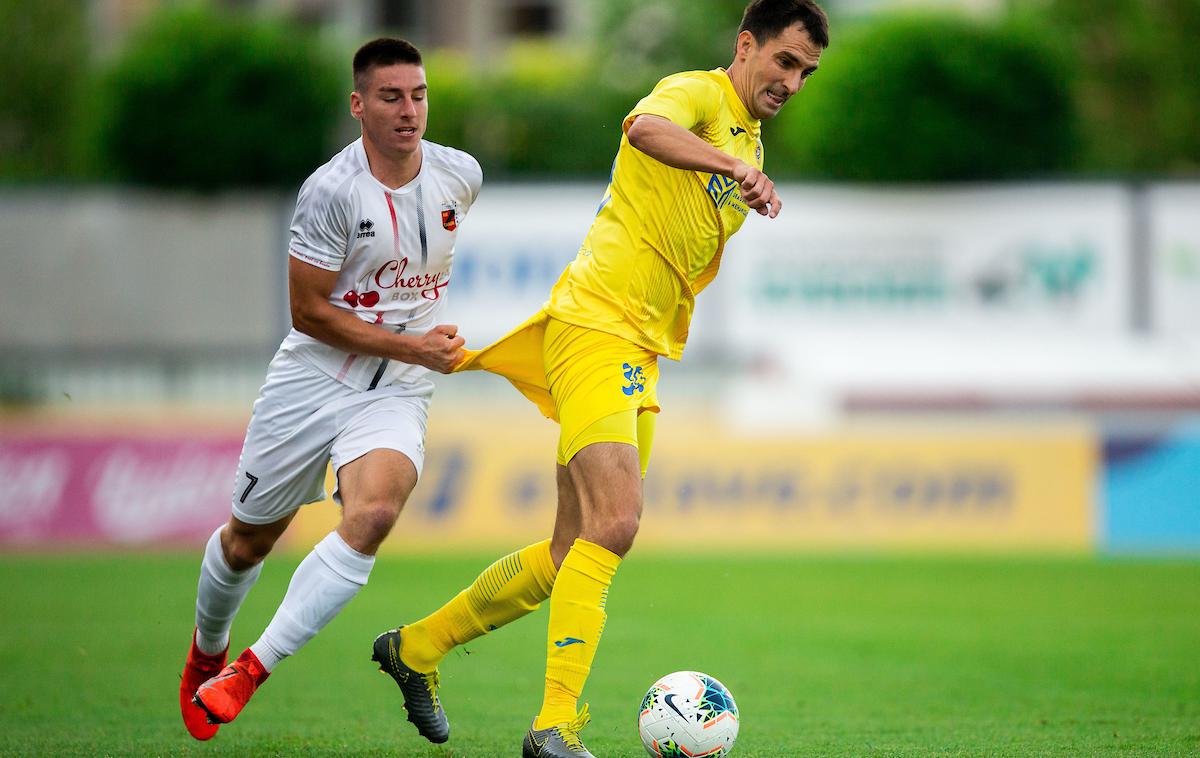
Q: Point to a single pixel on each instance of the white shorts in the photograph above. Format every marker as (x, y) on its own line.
(302, 420)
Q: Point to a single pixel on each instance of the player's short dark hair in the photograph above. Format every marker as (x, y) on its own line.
(385, 51)
(766, 19)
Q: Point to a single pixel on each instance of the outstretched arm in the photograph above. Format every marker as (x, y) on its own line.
(309, 288)
(671, 144)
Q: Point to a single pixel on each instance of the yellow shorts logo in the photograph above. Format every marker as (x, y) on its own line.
(636, 378)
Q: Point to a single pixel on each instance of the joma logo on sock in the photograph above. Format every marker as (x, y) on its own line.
(567, 641)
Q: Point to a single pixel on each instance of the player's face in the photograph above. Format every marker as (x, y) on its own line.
(778, 68)
(393, 108)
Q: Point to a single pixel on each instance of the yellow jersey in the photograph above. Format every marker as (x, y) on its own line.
(658, 235)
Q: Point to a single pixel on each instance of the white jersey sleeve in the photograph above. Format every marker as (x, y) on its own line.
(462, 174)
(473, 175)
(322, 225)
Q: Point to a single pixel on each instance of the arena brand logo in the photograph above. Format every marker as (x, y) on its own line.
(1036, 274)
(391, 276)
(366, 228)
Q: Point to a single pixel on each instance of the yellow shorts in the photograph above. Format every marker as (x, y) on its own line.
(599, 387)
(602, 386)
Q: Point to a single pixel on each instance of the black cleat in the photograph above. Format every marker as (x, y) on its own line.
(420, 690)
(558, 741)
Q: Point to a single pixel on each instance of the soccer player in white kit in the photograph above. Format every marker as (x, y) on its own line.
(372, 243)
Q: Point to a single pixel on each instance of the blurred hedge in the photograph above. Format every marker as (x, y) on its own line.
(898, 98)
(202, 99)
(45, 60)
(648, 39)
(206, 100)
(1137, 81)
(523, 118)
(912, 98)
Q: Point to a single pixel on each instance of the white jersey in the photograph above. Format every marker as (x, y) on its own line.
(392, 249)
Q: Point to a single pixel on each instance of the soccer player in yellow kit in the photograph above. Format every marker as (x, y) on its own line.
(687, 173)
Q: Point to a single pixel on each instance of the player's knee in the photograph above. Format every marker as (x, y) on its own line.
(374, 521)
(245, 551)
(627, 529)
(619, 532)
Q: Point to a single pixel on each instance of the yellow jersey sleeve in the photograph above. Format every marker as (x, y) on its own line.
(690, 102)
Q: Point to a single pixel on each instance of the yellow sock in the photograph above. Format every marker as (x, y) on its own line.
(576, 623)
(507, 590)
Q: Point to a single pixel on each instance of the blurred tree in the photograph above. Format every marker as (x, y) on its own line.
(204, 100)
(524, 118)
(1138, 82)
(648, 39)
(556, 119)
(454, 92)
(45, 59)
(925, 97)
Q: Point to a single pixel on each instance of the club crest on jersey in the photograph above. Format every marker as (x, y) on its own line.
(449, 217)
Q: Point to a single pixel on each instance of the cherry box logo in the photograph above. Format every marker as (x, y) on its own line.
(367, 299)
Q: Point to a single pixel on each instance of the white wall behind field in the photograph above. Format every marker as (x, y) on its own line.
(134, 270)
(1038, 291)
(1069, 297)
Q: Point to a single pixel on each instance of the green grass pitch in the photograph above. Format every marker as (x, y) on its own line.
(826, 656)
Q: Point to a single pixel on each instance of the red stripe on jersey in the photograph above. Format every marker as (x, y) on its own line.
(346, 367)
(395, 225)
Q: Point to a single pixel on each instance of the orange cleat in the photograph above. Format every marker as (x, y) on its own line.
(223, 697)
(197, 669)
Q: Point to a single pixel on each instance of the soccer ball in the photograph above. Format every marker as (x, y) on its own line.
(688, 714)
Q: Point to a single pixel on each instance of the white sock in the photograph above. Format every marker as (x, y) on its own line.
(218, 596)
(324, 582)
